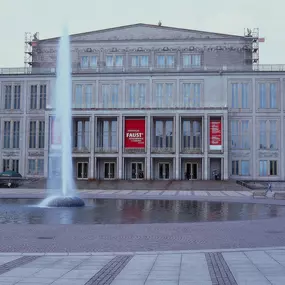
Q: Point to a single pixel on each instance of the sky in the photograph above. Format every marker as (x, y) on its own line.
(222, 16)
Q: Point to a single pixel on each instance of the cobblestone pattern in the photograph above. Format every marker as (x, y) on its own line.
(219, 271)
(109, 272)
(16, 263)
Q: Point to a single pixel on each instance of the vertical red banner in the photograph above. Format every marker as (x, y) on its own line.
(215, 134)
(135, 133)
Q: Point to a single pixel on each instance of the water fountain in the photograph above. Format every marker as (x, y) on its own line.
(61, 188)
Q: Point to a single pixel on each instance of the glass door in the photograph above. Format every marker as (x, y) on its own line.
(109, 170)
(164, 170)
(137, 170)
(191, 171)
(82, 170)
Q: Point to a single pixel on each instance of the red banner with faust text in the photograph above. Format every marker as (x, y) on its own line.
(135, 133)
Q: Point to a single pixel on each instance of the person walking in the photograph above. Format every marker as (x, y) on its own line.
(268, 188)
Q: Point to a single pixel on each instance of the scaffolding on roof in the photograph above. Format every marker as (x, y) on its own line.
(31, 41)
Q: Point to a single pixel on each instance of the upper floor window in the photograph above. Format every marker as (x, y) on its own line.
(240, 167)
(191, 60)
(12, 97)
(110, 96)
(107, 137)
(240, 95)
(165, 61)
(38, 96)
(37, 134)
(140, 61)
(83, 96)
(11, 134)
(267, 95)
(240, 134)
(268, 134)
(164, 95)
(114, 60)
(163, 134)
(81, 137)
(191, 93)
(191, 130)
(136, 95)
(88, 61)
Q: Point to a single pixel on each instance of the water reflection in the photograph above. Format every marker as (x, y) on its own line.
(118, 211)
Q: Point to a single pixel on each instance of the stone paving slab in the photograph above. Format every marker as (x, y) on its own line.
(261, 266)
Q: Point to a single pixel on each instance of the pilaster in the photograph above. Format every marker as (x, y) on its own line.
(205, 147)
(148, 146)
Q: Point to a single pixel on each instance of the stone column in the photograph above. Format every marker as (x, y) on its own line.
(205, 147)
(148, 146)
(225, 147)
(177, 147)
(25, 136)
(120, 120)
(92, 146)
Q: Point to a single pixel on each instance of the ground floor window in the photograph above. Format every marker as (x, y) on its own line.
(244, 167)
(235, 170)
(35, 166)
(11, 164)
(82, 170)
(262, 168)
(273, 167)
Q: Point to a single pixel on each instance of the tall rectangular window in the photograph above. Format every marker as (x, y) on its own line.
(107, 135)
(234, 134)
(33, 134)
(43, 96)
(273, 167)
(263, 168)
(235, 167)
(41, 135)
(110, 96)
(78, 102)
(15, 165)
(191, 93)
(244, 96)
(186, 91)
(84, 61)
(191, 130)
(136, 95)
(88, 95)
(163, 134)
(245, 135)
(273, 95)
(273, 134)
(6, 164)
(32, 166)
(235, 103)
(197, 94)
(168, 101)
(262, 135)
(93, 61)
(17, 97)
(262, 96)
(40, 166)
(7, 134)
(33, 97)
(8, 97)
(159, 95)
(244, 167)
(81, 139)
(16, 134)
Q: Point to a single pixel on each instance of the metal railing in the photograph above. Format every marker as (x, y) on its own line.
(204, 68)
(162, 150)
(105, 149)
(191, 150)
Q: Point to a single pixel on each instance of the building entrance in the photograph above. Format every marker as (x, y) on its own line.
(82, 170)
(137, 170)
(109, 170)
(191, 171)
(164, 170)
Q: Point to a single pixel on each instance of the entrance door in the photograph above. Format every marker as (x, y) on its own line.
(164, 170)
(82, 170)
(109, 170)
(137, 170)
(191, 171)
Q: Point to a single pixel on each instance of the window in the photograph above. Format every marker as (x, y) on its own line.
(191, 131)
(7, 134)
(235, 170)
(191, 60)
(244, 167)
(245, 135)
(11, 164)
(17, 97)
(263, 168)
(81, 140)
(114, 60)
(88, 61)
(191, 93)
(110, 96)
(43, 96)
(41, 134)
(136, 95)
(164, 95)
(244, 96)
(140, 61)
(163, 134)
(34, 96)
(15, 165)
(107, 135)
(165, 61)
(33, 134)
(6, 164)
(12, 134)
(262, 135)
(273, 167)
(273, 95)
(8, 97)
(83, 96)
(234, 134)
(16, 134)
(262, 96)
(35, 166)
(235, 95)
(273, 134)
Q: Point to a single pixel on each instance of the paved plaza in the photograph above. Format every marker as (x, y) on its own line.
(229, 267)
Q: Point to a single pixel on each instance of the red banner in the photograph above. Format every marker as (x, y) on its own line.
(135, 133)
(215, 134)
(54, 139)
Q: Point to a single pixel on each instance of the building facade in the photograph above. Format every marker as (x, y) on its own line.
(149, 102)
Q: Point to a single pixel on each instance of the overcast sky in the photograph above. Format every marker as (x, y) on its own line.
(224, 16)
